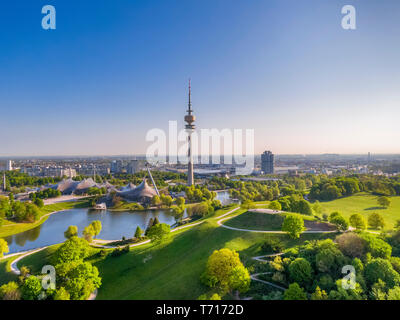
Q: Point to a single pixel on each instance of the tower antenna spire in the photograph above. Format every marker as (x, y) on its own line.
(190, 99)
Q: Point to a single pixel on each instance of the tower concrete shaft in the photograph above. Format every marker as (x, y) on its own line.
(189, 119)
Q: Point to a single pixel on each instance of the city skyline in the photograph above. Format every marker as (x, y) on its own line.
(305, 85)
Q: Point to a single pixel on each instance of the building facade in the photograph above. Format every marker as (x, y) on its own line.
(267, 162)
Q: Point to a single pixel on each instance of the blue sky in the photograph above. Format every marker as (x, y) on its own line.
(112, 70)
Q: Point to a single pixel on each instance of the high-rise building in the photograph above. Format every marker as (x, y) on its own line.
(189, 119)
(9, 166)
(267, 162)
(135, 166)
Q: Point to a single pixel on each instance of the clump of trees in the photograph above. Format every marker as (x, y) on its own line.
(18, 211)
(314, 270)
(45, 194)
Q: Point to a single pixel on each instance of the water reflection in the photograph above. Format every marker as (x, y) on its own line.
(115, 225)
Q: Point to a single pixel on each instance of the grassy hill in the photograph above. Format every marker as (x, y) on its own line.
(364, 204)
(172, 270)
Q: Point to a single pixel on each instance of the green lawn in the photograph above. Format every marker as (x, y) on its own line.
(9, 228)
(364, 204)
(257, 221)
(5, 274)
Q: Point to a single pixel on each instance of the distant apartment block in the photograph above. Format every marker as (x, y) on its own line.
(267, 162)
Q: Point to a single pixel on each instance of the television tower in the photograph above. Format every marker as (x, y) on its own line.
(189, 119)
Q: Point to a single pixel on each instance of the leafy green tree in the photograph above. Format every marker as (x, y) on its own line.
(159, 232)
(72, 250)
(384, 201)
(300, 271)
(239, 279)
(39, 203)
(293, 225)
(88, 233)
(10, 291)
(357, 221)
(383, 270)
(72, 231)
(220, 269)
(319, 294)
(376, 221)
(83, 279)
(393, 294)
(317, 207)
(62, 294)
(340, 222)
(333, 215)
(156, 201)
(378, 290)
(3, 247)
(304, 207)
(96, 224)
(138, 233)
(275, 205)
(294, 292)
(31, 288)
(180, 201)
(377, 247)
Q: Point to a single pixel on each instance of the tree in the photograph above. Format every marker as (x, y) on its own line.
(376, 221)
(275, 205)
(384, 201)
(357, 221)
(62, 294)
(319, 294)
(83, 279)
(96, 224)
(239, 279)
(3, 247)
(180, 202)
(10, 291)
(293, 225)
(159, 232)
(72, 231)
(39, 202)
(340, 222)
(381, 269)
(31, 288)
(352, 245)
(317, 207)
(72, 250)
(333, 215)
(304, 207)
(138, 233)
(393, 294)
(88, 233)
(221, 266)
(156, 201)
(300, 271)
(294, 292)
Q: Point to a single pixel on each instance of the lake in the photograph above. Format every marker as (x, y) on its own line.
(115, 225)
